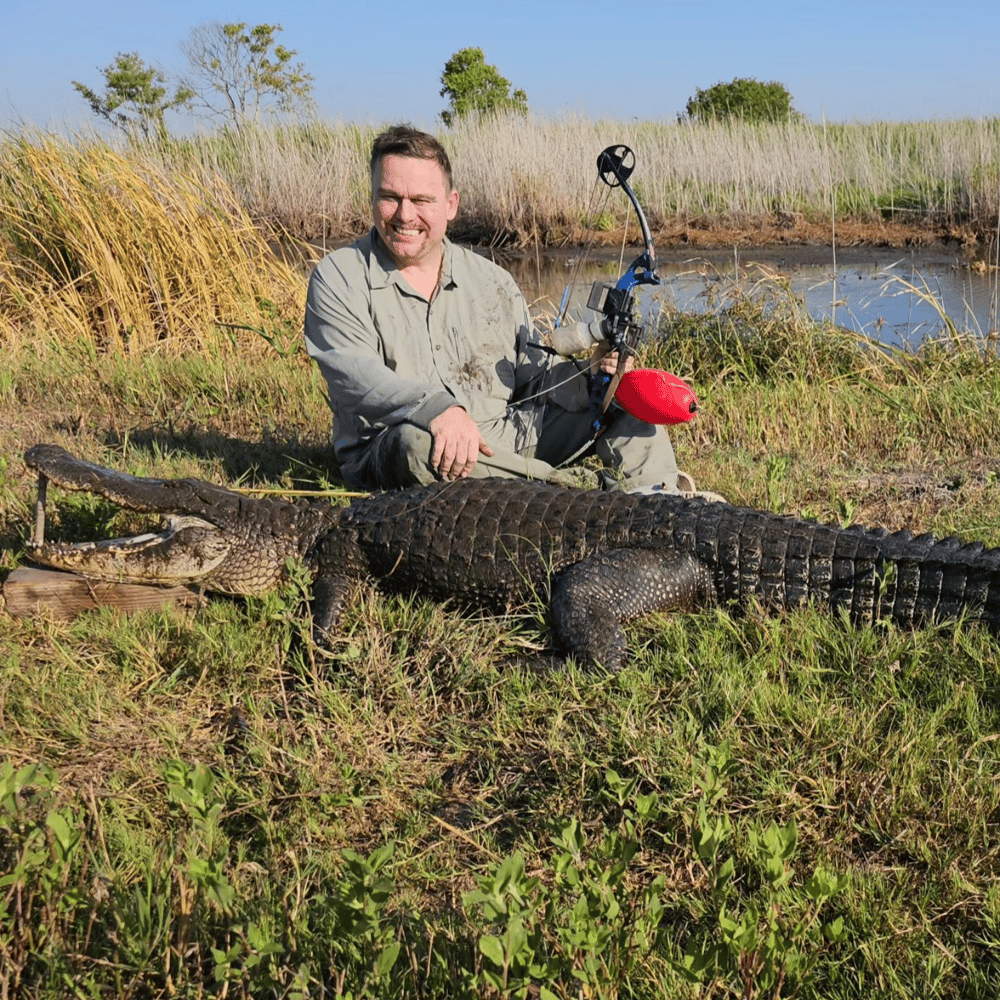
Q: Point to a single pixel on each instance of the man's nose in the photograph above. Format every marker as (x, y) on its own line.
(405, 209)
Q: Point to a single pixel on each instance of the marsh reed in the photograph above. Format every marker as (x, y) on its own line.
(104, 245)
(523, 179)
(162, 243)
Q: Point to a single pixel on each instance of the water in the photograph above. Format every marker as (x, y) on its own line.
(890, 295)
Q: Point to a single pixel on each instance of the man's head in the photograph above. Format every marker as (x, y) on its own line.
(405, 140)
(412, 196)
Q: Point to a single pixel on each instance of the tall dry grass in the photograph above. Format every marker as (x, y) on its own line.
(529, 179)
(299, 181)
(165, 243)
(103, 245)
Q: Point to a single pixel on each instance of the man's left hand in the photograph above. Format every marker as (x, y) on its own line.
(602, 361)
(457, 443)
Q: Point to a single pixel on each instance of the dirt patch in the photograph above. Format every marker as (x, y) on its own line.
(902, 498)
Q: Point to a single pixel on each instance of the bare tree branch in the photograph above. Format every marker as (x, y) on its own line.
(236, 73)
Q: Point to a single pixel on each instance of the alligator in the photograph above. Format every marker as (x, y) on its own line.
(601, 558)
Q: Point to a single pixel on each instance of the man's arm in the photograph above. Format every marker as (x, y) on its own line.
(342, 337)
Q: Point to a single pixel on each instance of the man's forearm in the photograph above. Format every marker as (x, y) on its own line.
(575, 338)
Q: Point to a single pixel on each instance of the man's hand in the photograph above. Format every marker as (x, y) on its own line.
(602, 361)
(457, 443)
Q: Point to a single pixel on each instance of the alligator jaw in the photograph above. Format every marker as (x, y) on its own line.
(187, 550)
(214, 538)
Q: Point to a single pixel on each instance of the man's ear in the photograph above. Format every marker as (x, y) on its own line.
(452, 205)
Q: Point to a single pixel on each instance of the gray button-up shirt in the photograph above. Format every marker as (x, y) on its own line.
(389, 356)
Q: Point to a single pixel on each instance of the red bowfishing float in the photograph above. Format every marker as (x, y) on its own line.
(656, 396)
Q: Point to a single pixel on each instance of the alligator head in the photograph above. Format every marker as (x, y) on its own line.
(211, 537)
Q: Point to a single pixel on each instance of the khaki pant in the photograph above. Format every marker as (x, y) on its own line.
(637, 453)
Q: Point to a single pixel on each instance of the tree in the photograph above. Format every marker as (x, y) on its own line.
(744, 98)
(235, 72)
(475, 87)
(135, 96)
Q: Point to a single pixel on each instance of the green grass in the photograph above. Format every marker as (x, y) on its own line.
(202, 805)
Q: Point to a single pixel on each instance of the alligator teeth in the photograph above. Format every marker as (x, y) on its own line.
(38, 536)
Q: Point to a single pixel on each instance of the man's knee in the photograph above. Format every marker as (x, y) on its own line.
(402, 457)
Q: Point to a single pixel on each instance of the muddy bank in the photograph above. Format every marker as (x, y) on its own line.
(795, 230)
(778, 242)
(790, 242)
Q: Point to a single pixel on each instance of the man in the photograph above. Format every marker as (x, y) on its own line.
(431, 362)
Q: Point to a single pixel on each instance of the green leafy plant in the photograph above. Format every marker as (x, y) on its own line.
(353, 913)
(847, 508)
(207, 848)
(762, 941)
(777, 471)
(40, 850)
(583, 926)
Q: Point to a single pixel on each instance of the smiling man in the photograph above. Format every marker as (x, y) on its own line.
(432, 365)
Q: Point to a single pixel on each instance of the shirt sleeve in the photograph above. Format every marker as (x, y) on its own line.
(543, 374)
(342, 337)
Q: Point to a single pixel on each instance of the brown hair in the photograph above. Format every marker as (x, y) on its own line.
(405, 140)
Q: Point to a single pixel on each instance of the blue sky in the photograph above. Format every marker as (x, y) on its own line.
(380, 61)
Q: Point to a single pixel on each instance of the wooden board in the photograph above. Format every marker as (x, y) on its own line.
(31, 590)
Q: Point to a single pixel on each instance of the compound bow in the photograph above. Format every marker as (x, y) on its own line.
(616, 302)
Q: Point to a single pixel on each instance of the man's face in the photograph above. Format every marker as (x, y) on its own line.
(411, 206)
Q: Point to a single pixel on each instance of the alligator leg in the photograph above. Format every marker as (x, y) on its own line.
(592, 599)
(330, 595)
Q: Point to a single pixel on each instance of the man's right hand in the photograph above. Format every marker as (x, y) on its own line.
(457, 443)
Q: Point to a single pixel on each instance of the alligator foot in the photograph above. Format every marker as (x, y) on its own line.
(592, 599)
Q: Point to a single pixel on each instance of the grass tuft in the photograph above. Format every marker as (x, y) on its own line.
(104, 247)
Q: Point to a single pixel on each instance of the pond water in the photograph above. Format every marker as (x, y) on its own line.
(892, 296)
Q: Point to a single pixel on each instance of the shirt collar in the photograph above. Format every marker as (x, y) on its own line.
(383, 271)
